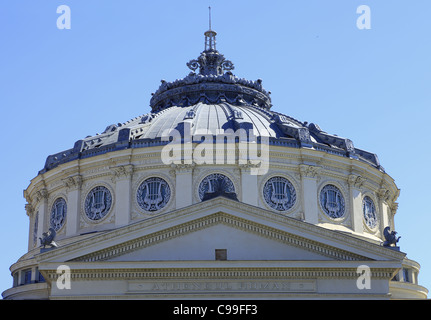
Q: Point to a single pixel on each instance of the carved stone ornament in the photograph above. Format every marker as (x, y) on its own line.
(153, 194)
(356, 181)
(279, 193)
(384, 194)
(332, 201)
(73, 182)
(369, 211)
(58, 214)
(121, 172)
(181, 168)
(29, 209)
(98, 203)
(42, 194)
(309, 171)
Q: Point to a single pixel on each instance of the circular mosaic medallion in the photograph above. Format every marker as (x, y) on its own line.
(332, 201)
(153, 194)
(279, 193)
(98, 203)
(58, 214)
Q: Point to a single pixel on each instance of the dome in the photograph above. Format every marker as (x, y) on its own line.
(212, 101)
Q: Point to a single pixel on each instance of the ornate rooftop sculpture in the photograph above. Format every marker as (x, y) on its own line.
(391, 238)
(48, 239)
(214, 83)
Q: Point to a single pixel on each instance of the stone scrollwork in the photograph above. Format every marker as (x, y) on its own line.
(384, 194)
(29, 209)
(210, 62)
(394, 207)
(227, 65)
(121, 172)
(356, 181)
(193, 64)
(42, 194)
(73, 182)
(309, 171)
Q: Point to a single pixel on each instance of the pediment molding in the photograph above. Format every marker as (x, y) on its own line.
(225, 211)
(226, 219)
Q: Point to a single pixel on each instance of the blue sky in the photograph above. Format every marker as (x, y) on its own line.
(371, 86)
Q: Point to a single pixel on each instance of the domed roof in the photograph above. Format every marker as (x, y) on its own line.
(212, 101)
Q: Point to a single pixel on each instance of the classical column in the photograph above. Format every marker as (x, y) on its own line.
(309, 178)
(122, 176)
(73, 185)
(356, 211)
(183, 184)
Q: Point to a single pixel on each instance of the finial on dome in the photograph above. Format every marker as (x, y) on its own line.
(210, 62)
(210, 36)
(209, 9)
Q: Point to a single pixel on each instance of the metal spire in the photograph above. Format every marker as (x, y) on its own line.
(210, 36)
(209, 8)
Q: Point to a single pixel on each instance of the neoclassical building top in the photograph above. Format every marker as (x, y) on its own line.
(212, 100)
(307, 204)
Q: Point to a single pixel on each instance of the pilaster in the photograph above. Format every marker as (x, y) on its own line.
(309, 178)
(43, 223)
(249, 186)
(383, 207)
(122, 176)
(73, 187)
(31, 215)
(183, 184)
(356, 211)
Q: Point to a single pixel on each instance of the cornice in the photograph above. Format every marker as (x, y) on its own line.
(221, 273)
(216, 206)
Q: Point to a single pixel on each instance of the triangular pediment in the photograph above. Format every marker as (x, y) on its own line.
(195, 232)
(223, 241)
(198, 240)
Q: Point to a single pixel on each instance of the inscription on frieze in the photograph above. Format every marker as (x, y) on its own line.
(280, 286)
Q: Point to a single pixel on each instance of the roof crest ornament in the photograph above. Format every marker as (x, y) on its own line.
(211, 79)
(210, 62)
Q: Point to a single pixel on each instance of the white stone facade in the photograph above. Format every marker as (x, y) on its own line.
(130, 253)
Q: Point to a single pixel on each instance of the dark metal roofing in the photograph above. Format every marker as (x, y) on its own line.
(212, 101)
